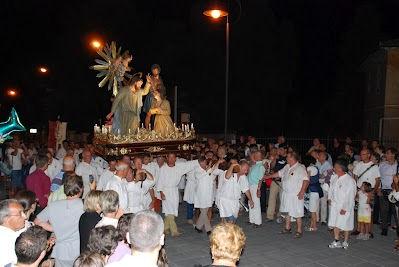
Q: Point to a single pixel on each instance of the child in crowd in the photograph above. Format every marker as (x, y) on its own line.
(364, 211)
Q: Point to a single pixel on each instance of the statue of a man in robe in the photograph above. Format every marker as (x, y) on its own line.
(127, 105)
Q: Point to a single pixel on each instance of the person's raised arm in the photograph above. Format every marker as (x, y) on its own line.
(229, 172)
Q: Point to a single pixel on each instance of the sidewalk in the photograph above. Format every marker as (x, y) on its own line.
(266, 247)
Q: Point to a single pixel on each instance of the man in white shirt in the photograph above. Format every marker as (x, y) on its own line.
(294, 183)
(169, 178)
(12, 219)
(388, 169)
(118, 184)
(154, 168)
(107, 175)
(146, 238)
(233, 183)
(366, 171)
(87, 171)
(54, 166)
(96, 161)
(325, 170)
(138, 190)
(15, 155)
(61, 152)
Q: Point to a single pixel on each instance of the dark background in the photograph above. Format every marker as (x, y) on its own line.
(294, 63)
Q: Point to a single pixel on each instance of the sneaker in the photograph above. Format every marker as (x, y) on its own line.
(335, 244)
(360, 236)
(345, 245)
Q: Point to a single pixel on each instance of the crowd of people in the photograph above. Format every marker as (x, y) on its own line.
(72, 208)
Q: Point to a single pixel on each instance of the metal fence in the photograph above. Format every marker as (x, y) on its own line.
(302, 145)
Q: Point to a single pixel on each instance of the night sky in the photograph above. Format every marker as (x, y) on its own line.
(295, 64)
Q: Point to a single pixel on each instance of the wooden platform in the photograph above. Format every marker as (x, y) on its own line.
(108, 150)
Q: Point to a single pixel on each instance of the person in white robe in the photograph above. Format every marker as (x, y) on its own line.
(204, 197)
(138, 191)
(118, 184)
(233, 183)
(169, 178)
(106, 176)
(341, 198)
(87, 171)
(53, 168)
(294, 183)
(154, 168)
(189, 194)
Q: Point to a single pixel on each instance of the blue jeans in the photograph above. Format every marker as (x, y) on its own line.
(16, 178)
(190, 211)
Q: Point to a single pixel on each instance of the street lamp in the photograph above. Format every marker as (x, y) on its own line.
(217, 11)
(96, 44)
(43, 70)
(12, 92)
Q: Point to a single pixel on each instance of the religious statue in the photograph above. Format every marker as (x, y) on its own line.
(153, 82)
(163, 124)
(126, 106)
(114, 67)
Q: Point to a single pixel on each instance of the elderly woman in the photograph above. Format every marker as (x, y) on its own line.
(109, 204)
(89, 218)
(227, 242)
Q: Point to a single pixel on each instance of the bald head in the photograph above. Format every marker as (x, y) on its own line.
(68, 163)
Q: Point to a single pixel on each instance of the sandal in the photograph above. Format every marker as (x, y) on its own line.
(310, 229)
(298, 235)
(285, 231)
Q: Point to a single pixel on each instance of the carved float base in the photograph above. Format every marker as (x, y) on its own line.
(112, 151)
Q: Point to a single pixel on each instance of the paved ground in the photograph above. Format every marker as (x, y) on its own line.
(265, 247)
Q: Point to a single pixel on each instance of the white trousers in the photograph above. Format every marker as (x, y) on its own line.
(323, 207)
(255, 215)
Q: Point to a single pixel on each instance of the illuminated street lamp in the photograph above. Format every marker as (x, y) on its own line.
(96, 44)
(43, 70)
(216, 11)
(12, 92)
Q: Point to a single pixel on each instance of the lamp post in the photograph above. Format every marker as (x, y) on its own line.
(216, 12)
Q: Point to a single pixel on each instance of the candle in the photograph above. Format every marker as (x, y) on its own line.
(138, 130)
(129, 130)
(119, 131)
(142, 125)
(192, 126)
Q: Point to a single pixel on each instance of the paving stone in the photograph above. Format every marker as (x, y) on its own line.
(266, 247)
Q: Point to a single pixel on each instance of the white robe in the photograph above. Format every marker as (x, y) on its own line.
(291, 183)
(191, 185)
(106, 176)
(119, 185)
(138, 196)
(85, 170)
(169, 178)
(204, 196)
(100, 164)
(154, 169)
(342, 195)
(230, 193)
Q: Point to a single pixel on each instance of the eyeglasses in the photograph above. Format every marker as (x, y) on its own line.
(21, 214)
